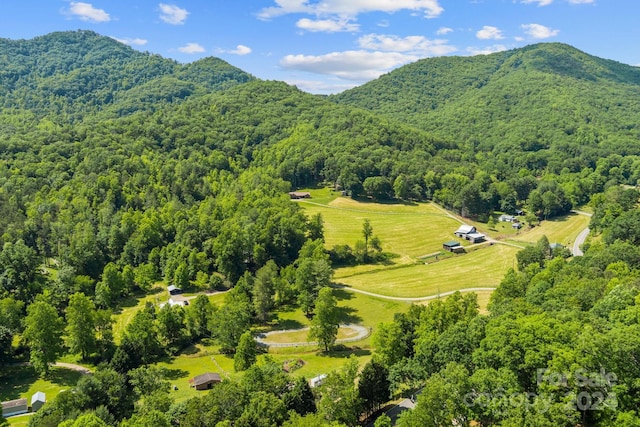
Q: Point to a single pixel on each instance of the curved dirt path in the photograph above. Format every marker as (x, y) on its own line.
(425, 298)
(78, 368)
(363, 332)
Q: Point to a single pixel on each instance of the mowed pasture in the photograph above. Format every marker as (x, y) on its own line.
(563, 230)
(410, 231)
(482, 268)
(407, 230)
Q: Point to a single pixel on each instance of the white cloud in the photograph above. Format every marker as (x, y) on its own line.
(444, 30)
(321, 86)
(538, 31)
(241, 50)
(191, 48)
(417, 45)
(132, 42)
(357, 65)
(172, 14)
(548, 2)
(489, 33)
(350, 8)
(86, 12)
(540, 2)
(486, 50)
(326, 25)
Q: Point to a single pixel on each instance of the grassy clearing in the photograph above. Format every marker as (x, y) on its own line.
(563, 230)
(134, 304)
(481, 268)
(315, 364)
(302, 335)
(20, 420)
(408, 230)
(483, 301)
(17, 382)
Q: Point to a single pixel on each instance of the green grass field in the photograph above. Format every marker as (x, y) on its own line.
(410, 231)
(18, 382)
(482, 268)
(563, 230)
(407, 230)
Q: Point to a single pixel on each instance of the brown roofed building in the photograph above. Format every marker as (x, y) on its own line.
(300, 195)
(205, 381)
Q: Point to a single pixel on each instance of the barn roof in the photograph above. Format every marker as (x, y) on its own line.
(206, 378)
(466, 229)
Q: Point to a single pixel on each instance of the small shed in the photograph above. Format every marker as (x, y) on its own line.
(14, 407)
(452, 246)
(299, 195)
(174, 290)
(475, 237)
(506, 218)
(516, 225)
(205, 381)
(463, 230)
(555, 246)
(317, 381)
(38, 400)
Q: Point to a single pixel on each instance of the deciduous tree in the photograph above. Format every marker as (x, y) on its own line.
(325, 323)
(43, 334)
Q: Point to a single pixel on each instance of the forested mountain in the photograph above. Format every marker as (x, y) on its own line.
(539, 101)
(119, 169)
(75, 73)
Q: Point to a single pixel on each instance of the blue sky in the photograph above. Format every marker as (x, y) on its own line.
(326, 46)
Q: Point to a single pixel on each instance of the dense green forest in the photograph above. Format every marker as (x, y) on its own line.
(119, 169)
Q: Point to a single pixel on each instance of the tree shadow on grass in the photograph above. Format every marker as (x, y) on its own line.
(391, 202)
(190, 350)
(283, 324)
(175, 374)
(348, 315)
(341, 294)
(340, 351)
(63, 377)
(15, 381)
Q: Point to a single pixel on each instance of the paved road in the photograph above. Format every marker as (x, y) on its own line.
(576, 251)
(363, 332)
(579, 241)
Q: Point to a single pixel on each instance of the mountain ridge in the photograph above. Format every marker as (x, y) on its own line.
(80, 70)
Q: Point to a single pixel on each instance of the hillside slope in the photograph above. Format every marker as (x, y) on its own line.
(77, 72)
(544, 96)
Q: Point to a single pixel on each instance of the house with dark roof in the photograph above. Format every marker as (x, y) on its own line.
(205, 381)
(14, 407)
(453, 246)
(174, 290)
